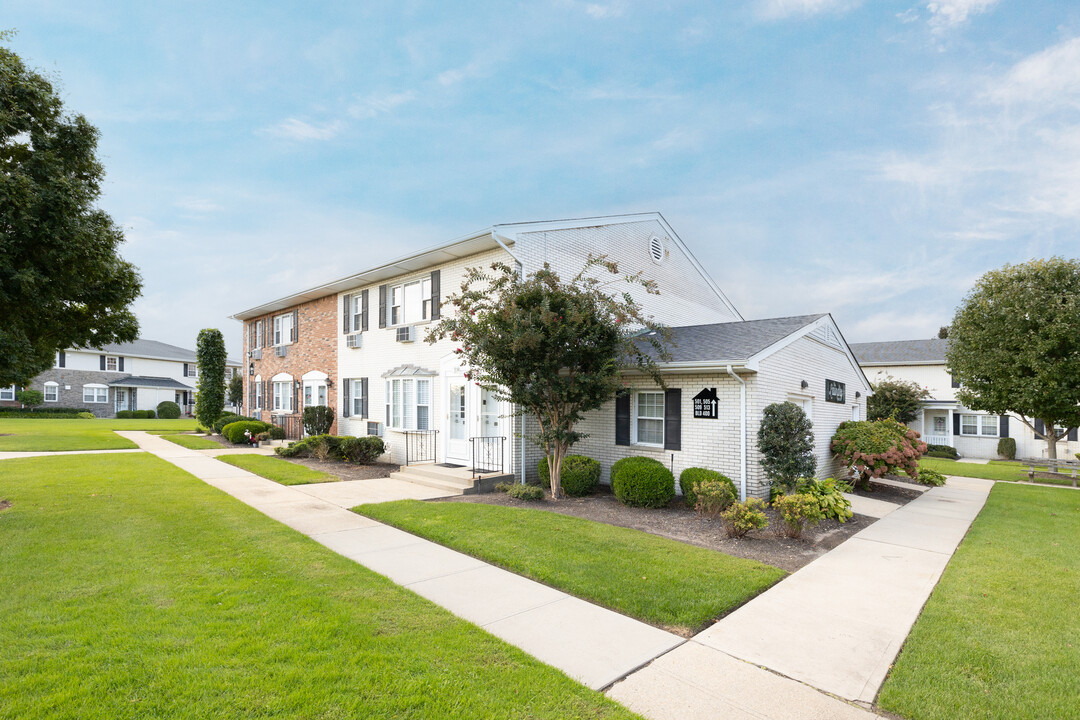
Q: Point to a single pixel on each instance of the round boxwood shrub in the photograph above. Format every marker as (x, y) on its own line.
(227, 418)
(235, 431)
(642, 482)
(579, 475)
(168, 410)
(690, 477)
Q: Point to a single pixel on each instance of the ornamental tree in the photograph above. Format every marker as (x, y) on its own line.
(236, 390)
(210, 387)
(896, 399)
(1015, 345)
(554, 348)
(876, 448)
(62, 282)
(786, 443)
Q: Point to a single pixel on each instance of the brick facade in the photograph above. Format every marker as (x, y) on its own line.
(313, 350)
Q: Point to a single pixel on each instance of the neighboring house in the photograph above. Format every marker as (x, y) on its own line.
(361, 339)
(942, 419)
(124, 376)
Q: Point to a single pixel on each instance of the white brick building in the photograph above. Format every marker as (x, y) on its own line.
(416, 395)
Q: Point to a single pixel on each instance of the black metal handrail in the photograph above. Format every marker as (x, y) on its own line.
(487, 454)
(293, 425)
(421, 446)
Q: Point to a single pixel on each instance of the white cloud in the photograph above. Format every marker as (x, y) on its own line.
(198, 205)
(602, 12)
(781, 9)
(295, 129)
(908, 16)
(453, 76)
(378, 104)
(946, 14)
(1045, 80)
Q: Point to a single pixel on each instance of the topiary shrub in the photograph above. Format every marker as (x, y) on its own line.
(786, 442)
(931, 477)
(941, 451)
(362, 450)
(742, 517)
(579, 475)
(878, 448)
(796, 512)
(1007, 448)
(714, 496)
(318, 419)
(234, 431)
(642, 482)
(168, 410)
(690, 477)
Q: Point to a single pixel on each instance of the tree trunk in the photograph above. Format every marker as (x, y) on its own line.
(1051, 440)
(555, 470)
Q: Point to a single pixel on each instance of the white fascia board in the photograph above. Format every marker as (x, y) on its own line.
(805, 330)
(718, 366)
(112, 353)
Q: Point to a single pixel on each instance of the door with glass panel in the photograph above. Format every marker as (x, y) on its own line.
(457, 422)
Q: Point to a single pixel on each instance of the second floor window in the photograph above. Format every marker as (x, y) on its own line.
(410, 302)
(112, 363)
(283, 329)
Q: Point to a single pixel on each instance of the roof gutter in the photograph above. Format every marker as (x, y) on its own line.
(742, 434)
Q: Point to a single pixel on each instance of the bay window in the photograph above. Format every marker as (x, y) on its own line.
(410, 403)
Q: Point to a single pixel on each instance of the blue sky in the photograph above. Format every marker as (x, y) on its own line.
(869, 159)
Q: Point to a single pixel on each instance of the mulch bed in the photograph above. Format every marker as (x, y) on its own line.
(347, 471)
(677, 522)
(889, 493)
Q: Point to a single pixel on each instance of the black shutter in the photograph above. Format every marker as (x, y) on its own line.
(1039, 428)
(363, 310)
(346, 396)
(1072, 435)
(955, 383)
(363, 396)
(956, 424)
(268, 397)
(185, 369)
(295, 326)
(435, 279)
(382, 307)
(63, 359)
(296, 396)
(120, 364)
(622, 418)
(1003, 426)
(673, 419)
(102, 358)
(346, 323)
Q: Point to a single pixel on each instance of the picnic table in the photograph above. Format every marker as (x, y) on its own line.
(1057, 465)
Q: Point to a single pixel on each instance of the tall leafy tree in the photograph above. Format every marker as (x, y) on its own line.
(236, 390)
(62, 282)
(210, 354)
(554, 348)
(1016, 345)
(896, 399)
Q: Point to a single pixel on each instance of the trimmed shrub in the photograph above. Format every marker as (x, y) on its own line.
(690, 477)
(84, 415)
(796, 512)
(714, 496)
(578, 477)
(362, 450)
(6, 411)
(829, 494)
(529, 493)
(318, 419)
(1007, 448)
(30, 398)
(942, 451)
(234, 431)
(277, 433)
(227, 418)
(320, 447)
(30, 415)
(742, 517)
(878, 448)
(134, 414)
(642, 482)
(786, 442)
(125, 414)
(931, 477)
(168, 410)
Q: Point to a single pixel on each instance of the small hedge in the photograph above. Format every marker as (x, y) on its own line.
(135, 414)
(579, 475)
(1007, 448)
(521, 492)
(27, 415)
(690, 477)
(642, 482)
(20, 412)
(942, 451)
(227, 418)
(360, 450)
(168, 410)
(234, 431)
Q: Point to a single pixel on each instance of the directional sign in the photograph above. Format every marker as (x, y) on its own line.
(706, 404)
(835, 391)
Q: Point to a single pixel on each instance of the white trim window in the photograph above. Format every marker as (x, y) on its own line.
(410, 302)
(979, 425)
(357, 390)
(283, 329)
(258, 393)
(283, 396)
(7, 393)
(410, 403)
(314, 393)
(649, 418)
(112, 363)
(357, 319)
(95, 393)
(52, 392)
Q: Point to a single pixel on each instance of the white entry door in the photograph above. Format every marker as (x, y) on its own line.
(458, 412)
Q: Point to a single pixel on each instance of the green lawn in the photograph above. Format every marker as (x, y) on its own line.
(995, 470)
(660, 581)
(192, 442)
(999, 637)
(133, 590)
(57, 435)
(276, 469)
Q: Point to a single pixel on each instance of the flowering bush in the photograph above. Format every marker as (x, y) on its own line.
(874, 449)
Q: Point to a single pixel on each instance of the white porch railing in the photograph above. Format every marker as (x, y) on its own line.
(937, 440)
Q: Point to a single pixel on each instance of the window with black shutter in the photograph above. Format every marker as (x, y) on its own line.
(346, 313)
(364, 310)
(382, 306)
(435, 293)
(622, 418)
(673, 419)
(346, 394)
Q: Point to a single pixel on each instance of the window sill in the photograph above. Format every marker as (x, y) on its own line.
(647, 446)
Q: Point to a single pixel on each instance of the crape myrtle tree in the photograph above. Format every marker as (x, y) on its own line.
(1015, 346)
(554, 348)
(896, 399)
(62, 283)
(210, 387)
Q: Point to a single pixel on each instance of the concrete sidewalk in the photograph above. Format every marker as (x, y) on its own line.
(835, 625)
(590, 644)
(29, 454)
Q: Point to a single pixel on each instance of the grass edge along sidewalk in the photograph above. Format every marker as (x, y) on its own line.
(21, 435)
(994, 470)
(135, 590)
(672, 585)
(277, 469)
(998, 636)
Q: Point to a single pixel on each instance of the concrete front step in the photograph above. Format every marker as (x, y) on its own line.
(457, 480)
(449, 484)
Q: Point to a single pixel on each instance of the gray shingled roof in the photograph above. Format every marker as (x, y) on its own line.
(154, 382)
(733, 342)
(900, 352)
(152, 349)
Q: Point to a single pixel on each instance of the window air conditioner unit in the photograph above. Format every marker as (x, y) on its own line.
(374, 428)
(406, 334)
(281, 350)
(256, 354)
(355, 340)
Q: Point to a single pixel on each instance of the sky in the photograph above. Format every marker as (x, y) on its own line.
(868, 159)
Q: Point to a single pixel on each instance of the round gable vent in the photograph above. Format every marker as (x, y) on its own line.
(657, 250)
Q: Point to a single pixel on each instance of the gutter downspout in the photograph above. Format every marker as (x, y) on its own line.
(742, 438)
(503, 240)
